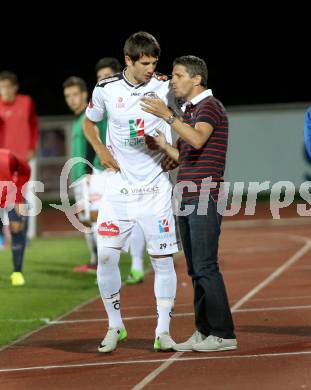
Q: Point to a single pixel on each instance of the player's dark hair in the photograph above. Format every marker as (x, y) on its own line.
(141, 43)
(195, 67)
(74, 81)
(108, 62)
(6, 75)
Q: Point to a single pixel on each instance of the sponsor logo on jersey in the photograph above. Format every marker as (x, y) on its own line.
(140, 190)
(124, 191)
(135, 94)
(164, 226)
(137, 132)
(162, 236)
(145, 190)
(137, 127)
(134, 141)
(151, 95)
(120, 103)
(108, 229)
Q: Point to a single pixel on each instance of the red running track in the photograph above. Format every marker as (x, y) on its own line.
(267, 270)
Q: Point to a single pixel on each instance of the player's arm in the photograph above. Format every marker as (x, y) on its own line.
(93, 114)
(194, 136)
(160, 143)
(307, 131)
(92, 135)
(34, 130)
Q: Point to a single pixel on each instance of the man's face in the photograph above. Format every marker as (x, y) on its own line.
(182, 83)
(104, 72)
(142, 69)
(8, 90)
(75, 98)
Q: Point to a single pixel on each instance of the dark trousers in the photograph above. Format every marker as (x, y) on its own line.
(200, 236)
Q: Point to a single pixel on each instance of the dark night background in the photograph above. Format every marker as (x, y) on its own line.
(250, 61)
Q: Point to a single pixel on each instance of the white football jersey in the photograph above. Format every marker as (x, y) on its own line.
(128, 123)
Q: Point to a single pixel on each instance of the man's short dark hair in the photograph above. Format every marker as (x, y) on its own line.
(74, 81)
(141, 43)
(6, 75)
(108, 62)
(195, 67)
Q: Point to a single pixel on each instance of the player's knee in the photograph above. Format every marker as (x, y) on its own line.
(85, 222)
(108, 257)
(16, 227)
(18, 240)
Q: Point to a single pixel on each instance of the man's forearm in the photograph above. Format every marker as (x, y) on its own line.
(91, 133)
(172, 152)
(194, 136)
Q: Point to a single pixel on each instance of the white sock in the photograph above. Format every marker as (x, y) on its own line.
(137, 248)
(89, 238)
(109, 283)
(165, 283)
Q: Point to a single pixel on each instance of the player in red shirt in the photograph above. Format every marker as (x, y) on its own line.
(18, 119)
(14, 173)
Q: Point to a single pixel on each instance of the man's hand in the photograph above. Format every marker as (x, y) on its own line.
(156, 107)
(30, 155)
(106, 158)
(168, 164)
(157, 142)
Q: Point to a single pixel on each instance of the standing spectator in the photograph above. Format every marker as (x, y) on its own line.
(19, 128)
(17, 172)
(18, 119)
(107, 67)
(307, 131)
(201, 154)
(76, 96)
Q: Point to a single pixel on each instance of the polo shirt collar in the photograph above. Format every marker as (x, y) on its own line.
(197, 99)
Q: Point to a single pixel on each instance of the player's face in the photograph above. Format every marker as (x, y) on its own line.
(141, 70)
(104, 72)
(8, 90)
(182, 83)
(75, 98)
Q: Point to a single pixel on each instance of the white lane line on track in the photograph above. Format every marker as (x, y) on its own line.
(292, 260)
(172, 359)
(296, 297)
(77, 321)
(149, 378)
